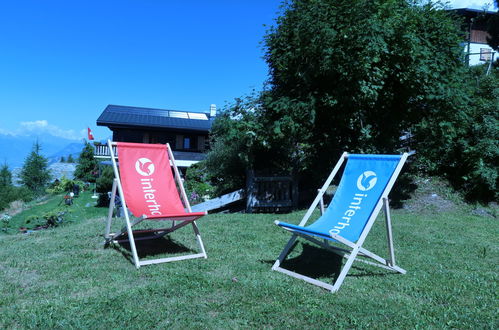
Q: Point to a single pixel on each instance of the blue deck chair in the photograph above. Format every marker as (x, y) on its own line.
(362, 192)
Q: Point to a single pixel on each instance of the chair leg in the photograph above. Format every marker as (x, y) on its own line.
(389, 231)
(110, 213)
(131, 239)
(198, 238)
(345, 269)
(284, 252)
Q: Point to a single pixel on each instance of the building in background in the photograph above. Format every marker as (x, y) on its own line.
(476, 49)
(186, 132)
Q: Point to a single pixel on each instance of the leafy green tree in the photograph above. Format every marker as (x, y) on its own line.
(464, 145)
(35, 173)
(344, 75)
(86, 169)
(70, 159)
(234, 135)
(356, 76)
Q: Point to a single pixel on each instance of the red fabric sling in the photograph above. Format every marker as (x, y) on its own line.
(148, 183)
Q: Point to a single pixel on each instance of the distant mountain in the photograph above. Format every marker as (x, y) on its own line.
(15, 148)
(73, 149)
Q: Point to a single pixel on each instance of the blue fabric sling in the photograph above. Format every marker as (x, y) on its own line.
(364, 179)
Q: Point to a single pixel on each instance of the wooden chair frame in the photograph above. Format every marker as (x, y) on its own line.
(157, 233)
(353, 249)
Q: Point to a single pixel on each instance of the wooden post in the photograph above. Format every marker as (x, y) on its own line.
(250, 190)
(295, 196)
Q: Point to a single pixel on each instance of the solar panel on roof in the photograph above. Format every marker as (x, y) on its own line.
(178, 114)
(149, 117)
(197, 115)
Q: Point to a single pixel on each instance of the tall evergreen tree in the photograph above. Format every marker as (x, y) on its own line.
(35, 173)
(5, 176)
(70, 159)
(87, 165)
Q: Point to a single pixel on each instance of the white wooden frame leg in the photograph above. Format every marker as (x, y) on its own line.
(284, 252)
(110, 212)
(389, 234)
(198, 238)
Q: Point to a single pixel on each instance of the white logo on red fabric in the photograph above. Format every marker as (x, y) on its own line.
(144, 166)
(367, 181)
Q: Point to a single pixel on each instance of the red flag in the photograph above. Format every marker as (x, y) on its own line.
(90, 135)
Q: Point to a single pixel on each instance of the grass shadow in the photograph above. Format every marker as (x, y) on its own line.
(151, 247)
(314, 262)
(317, 262)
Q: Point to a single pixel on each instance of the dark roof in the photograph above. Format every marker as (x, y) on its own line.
(472, 12)
(469, 13)
(137, 117)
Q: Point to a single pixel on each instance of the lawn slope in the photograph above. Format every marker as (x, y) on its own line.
(64, 277)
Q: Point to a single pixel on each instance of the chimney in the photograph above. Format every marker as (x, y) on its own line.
(213, 110)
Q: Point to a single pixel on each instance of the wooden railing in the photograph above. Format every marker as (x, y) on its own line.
(270, 194)
(102, 151)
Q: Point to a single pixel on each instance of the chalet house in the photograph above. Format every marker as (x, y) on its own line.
(475, 27)
(186, 132)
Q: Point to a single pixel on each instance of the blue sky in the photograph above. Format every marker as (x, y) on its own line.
(62, 62)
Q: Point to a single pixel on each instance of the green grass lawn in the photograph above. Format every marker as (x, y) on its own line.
(65, 278)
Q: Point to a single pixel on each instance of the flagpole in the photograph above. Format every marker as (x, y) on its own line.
(90, 136)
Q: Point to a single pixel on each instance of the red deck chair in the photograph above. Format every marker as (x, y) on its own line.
(147, 188)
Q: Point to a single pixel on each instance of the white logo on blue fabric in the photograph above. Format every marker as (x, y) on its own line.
(144, 166)
(367, 181)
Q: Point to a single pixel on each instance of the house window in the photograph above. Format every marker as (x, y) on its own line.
(190, 142)
(187, 142)
(485, 54)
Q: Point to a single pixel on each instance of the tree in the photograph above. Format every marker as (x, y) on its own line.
(70, 159)
(86, 169)
(5, 176)
(464, 145)
(62, 160)
(6, 187)
(35, 173)
(493, 31)
(351, 76)
(234, 136)
(356, 76)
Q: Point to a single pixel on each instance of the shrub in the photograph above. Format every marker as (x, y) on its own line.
(197, 183)
(5, 218)
(49, 219)
(63, 185)
(104, 184)
(9, 194)
(463, 145)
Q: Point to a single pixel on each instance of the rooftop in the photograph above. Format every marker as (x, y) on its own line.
(127, 116)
